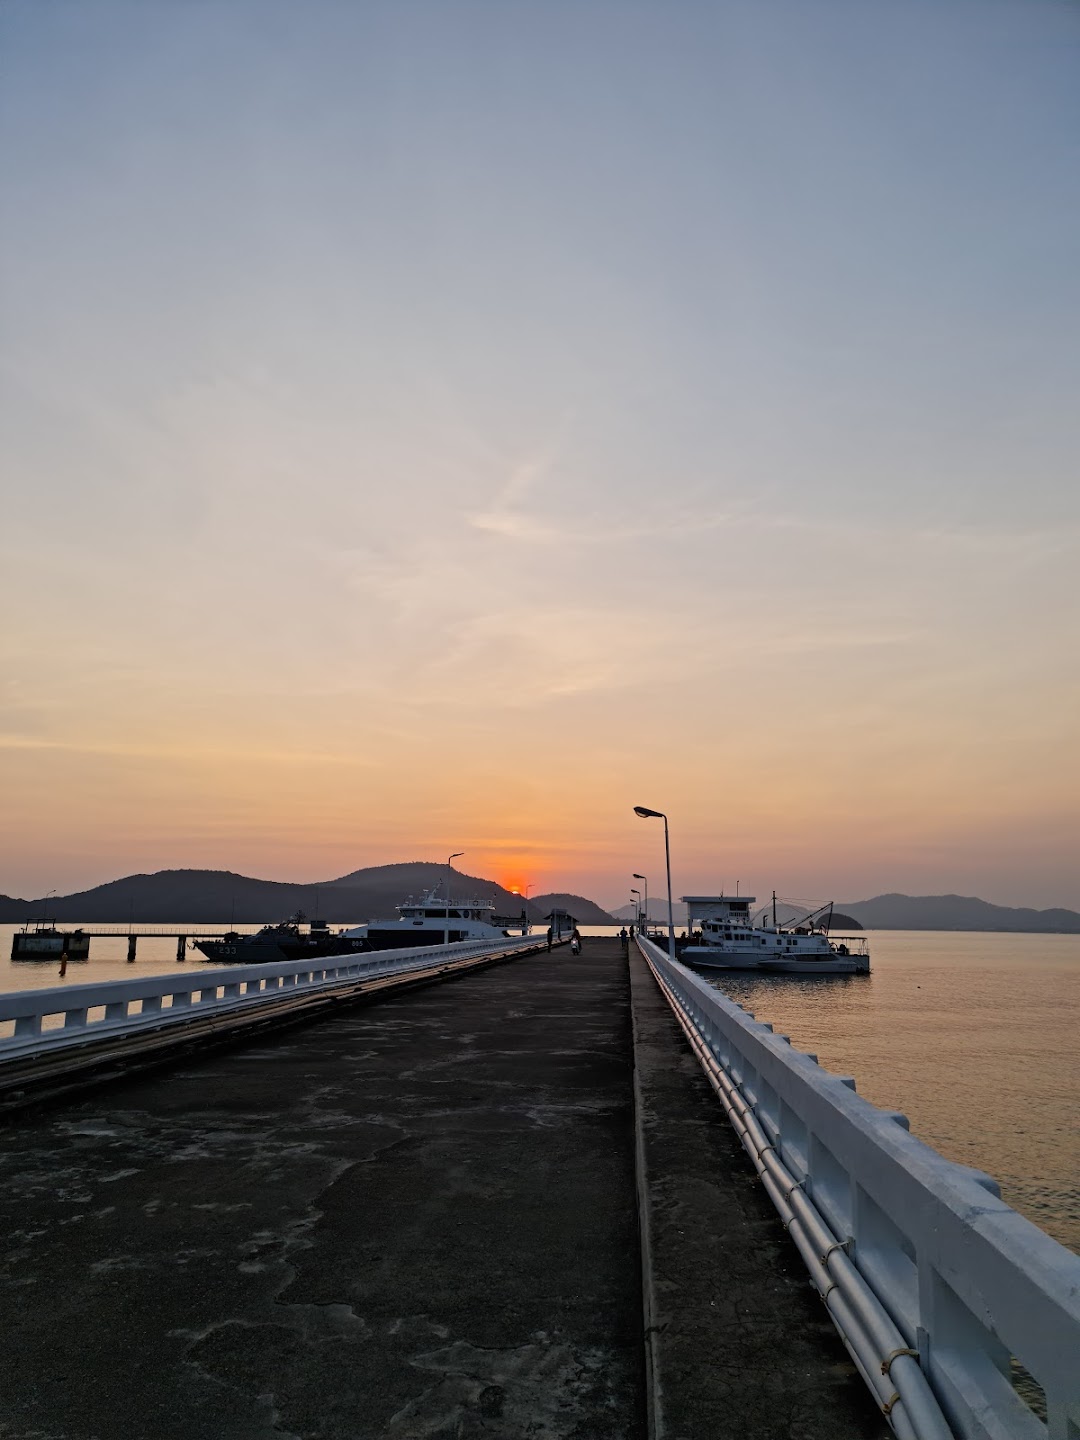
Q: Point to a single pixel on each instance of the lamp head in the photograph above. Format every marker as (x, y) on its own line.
(639, 877)
(645, 813)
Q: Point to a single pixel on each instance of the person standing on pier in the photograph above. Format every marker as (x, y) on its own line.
(575, 941)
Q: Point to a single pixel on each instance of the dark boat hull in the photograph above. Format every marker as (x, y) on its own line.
(270, 950)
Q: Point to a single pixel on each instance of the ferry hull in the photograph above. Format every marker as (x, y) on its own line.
(710, 959)
(393, 939)
(255, 950)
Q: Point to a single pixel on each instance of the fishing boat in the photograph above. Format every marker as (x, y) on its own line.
(723, 935)
(432, 921)
(41, 940)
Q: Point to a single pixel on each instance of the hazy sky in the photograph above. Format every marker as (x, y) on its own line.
(442, 426)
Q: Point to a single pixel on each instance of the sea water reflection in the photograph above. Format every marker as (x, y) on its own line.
(973, 1037)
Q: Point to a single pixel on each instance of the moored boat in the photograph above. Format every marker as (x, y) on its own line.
(432, 921)
(729, 939)
(286, 941)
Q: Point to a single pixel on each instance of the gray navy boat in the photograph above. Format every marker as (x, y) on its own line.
(287, 941)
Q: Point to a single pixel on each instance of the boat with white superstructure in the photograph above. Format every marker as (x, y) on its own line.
(724, 936)
(430, 920)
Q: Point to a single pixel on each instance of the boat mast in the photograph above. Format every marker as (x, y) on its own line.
(774, 909)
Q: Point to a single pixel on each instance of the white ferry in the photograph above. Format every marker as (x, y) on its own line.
(431, 921)
(722, 936)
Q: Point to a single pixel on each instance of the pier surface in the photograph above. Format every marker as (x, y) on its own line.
(416, 1217)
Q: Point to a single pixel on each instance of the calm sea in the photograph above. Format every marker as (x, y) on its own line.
(974, 1037)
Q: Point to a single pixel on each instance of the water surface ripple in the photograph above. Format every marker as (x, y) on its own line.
(974, 1037)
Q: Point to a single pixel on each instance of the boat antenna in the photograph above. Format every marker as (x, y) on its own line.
(774, 909)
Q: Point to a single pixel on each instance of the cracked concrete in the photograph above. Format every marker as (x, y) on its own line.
(415, 1218)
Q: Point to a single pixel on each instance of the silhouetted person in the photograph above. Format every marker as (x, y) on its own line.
(625, 939)
(550, 936)
(575, 942)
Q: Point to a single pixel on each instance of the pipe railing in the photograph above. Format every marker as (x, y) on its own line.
(44, 1021)
(942, 1293)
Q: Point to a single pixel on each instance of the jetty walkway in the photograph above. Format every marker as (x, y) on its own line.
(419, 1216)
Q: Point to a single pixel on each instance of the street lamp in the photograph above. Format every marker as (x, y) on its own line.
(638, 907)
(526, 926)
(449, 872)
(647, 814)
(645, 878)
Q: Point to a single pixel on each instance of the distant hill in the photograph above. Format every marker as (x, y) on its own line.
(220, 896)
(840, 920)
(585, 912)
(957, 912)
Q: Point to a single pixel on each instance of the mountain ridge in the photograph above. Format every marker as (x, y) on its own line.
(895, 911)
(226, 897)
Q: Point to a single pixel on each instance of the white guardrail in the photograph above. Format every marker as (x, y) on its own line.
(952, 1305)
(45, 1021)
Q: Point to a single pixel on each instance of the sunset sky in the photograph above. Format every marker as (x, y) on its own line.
(443, 426)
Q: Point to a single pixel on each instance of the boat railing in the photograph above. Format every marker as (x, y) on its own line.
(33, 1022)
(856, 944)
(951, 1303)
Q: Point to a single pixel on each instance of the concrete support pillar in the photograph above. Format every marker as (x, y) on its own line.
(132, 939)
(181, 949)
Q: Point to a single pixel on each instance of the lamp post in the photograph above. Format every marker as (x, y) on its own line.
(645, 881)
(647, 814)
(526, 926)
(449, 872)
(638, 894)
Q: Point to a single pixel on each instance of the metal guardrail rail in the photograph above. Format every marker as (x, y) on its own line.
(940, 1291)
(88, 1017)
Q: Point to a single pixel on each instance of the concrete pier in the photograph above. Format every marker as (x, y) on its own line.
(417, 1217)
